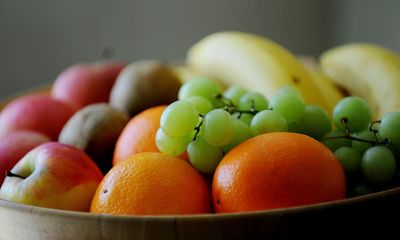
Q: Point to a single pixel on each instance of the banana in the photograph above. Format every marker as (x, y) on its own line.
(366, 70)
(332, 92)
(185, 72)
(254, 62)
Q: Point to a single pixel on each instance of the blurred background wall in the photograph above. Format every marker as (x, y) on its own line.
(39, 38)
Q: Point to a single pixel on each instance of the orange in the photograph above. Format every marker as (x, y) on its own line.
(277, 170)
(152, 184)
(139, 134)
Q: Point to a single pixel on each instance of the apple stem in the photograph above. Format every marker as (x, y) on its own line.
(11, 174)
(108, 53)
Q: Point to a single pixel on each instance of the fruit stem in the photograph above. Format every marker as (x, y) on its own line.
(11, 174)
(348, 136)
(235, 110)
(371, 127)
(197, 128)
(375, 131)
(107, 53)
(226, 101)
(231, 108)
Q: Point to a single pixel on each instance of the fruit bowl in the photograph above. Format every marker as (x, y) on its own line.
(369, 214)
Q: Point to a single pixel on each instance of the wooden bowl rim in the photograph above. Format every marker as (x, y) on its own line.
(279, 211)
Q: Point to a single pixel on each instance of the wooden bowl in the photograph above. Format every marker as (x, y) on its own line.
(372, 214)
(375, 213)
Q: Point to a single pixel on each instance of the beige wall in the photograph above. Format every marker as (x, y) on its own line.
(39, 38)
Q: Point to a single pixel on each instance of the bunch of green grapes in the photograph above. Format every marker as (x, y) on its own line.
(207, 123)
(367, 150)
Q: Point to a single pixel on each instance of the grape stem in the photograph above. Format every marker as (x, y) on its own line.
(384, 142)
(231, 108)
(375, 131)
(197, 128)
(348, 135)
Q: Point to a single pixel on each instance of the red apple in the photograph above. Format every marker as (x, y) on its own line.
(37, 112)
(14, 146)
(84, 84)
(53, 175)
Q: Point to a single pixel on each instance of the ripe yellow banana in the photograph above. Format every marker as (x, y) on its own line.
(366, 70)
(332, 92)
(185, 72)
(254, 62)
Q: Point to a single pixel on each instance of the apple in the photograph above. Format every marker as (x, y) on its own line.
(86, 83)
(14, 146)
(53, 175)
(95, 129)
(36, 112)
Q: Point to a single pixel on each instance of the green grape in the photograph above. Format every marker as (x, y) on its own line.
(290, 106)
(335, 143)
(295, 127)
(253, 99)
(378, 164)
(242, 133)
(218, 127)
(234, 93)
(171, 145)
(244, 117)
(202, 87)
(203, 156)
(390, 127)
(179, 119)
(350, 159)
(315, 121)
(360, 146)
(289, 90)
(375, 126)
(201, 104)
(268, 121)
(353, 110)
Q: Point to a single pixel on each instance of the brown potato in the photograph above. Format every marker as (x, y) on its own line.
(144, 84)
(95, 129)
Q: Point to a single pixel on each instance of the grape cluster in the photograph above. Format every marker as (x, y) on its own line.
(367, 150)
(207, 123)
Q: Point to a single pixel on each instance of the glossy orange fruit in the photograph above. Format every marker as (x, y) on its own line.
(139, 134)
(152, 184)
(277, 170)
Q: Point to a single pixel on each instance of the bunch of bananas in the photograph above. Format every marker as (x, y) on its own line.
(366, 70)
(260, 64)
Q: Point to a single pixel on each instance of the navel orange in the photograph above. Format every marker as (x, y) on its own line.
(139, 134)
(152, 184)
(277, 170)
